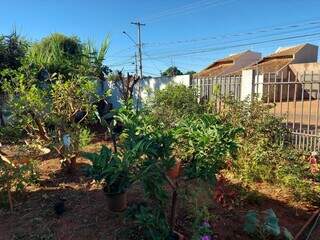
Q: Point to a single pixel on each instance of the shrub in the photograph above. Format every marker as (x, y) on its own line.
(15, 177)
(139, 154)
(56, 114)
(202, 143)
(265, 154)
(172, 103)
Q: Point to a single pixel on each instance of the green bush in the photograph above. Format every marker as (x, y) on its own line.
(265, 154)
(15, 177)
(203, 142)
(174, 102)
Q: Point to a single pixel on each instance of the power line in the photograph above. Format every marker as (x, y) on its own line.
(239, 45)
(120, 51)
(252, 32)
(122, 62)
(314, 25)
(187, 9)
(283, 34)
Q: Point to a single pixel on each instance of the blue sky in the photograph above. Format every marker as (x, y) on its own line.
(187, 33)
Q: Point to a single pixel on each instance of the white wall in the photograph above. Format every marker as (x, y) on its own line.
(246, 84)
(148, 87)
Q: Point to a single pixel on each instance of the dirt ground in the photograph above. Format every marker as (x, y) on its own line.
(87, 216)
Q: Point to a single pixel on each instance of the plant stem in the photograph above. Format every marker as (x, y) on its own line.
(10, 199)
(42, 131)
(114, 142)
(173, 209)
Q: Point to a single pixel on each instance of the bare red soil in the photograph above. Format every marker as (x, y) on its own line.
(87, 216)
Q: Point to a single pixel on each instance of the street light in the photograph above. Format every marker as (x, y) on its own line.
(131, 39)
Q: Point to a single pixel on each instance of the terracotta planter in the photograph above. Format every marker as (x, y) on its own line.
(174, 172)
(117, 202)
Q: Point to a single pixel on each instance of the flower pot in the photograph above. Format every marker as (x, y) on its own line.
(174, 172)
(117, 202)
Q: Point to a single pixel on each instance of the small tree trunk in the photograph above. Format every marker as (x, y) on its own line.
(42, 131)
(73, 164)
(2, 122)
(10, 199)
(114, 142)
(173, 209)
(2, 104)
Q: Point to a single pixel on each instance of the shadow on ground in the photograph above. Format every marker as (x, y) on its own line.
(87, 216)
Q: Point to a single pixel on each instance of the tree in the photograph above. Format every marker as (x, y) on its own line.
(12, 51)
(53, 94)
(125, 84)
(190, 72)
(94, 59)
(171, 72)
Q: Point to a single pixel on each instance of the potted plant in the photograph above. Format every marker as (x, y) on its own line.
(115, 171)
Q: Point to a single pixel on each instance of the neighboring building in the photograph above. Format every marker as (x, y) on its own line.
(275, 68)
(225, 73)
(309, 73)
(231, 65)
(280, 60)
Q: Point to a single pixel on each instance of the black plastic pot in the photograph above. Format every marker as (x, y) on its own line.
(117, 202)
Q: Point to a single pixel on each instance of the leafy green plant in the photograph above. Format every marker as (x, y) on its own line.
(265, 154)
(54, 113)
(148, 223)
(156, 157)
(52, 95)
(132, 157)
(265, 226)
(115, 171)
(173, 103)
(203, 142)
(201, 225)
(15, 177)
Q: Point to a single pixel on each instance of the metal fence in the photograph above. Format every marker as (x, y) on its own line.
(218, 87)
(296, 98)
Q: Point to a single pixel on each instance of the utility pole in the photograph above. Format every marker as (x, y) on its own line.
(136, 63)
(139, 45)
(138, 24)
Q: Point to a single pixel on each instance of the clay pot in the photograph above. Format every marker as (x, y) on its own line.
(174, 172)
(117, 202)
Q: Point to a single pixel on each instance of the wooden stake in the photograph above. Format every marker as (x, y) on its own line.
(299, 234)
(10, 199)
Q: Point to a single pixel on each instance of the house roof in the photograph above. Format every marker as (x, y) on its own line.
(288, 51)
(278, 60)
(223, 66)
(272, 65)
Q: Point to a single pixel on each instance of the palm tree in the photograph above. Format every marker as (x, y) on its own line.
(93, 59)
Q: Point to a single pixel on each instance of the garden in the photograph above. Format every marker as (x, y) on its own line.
(74, 167)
